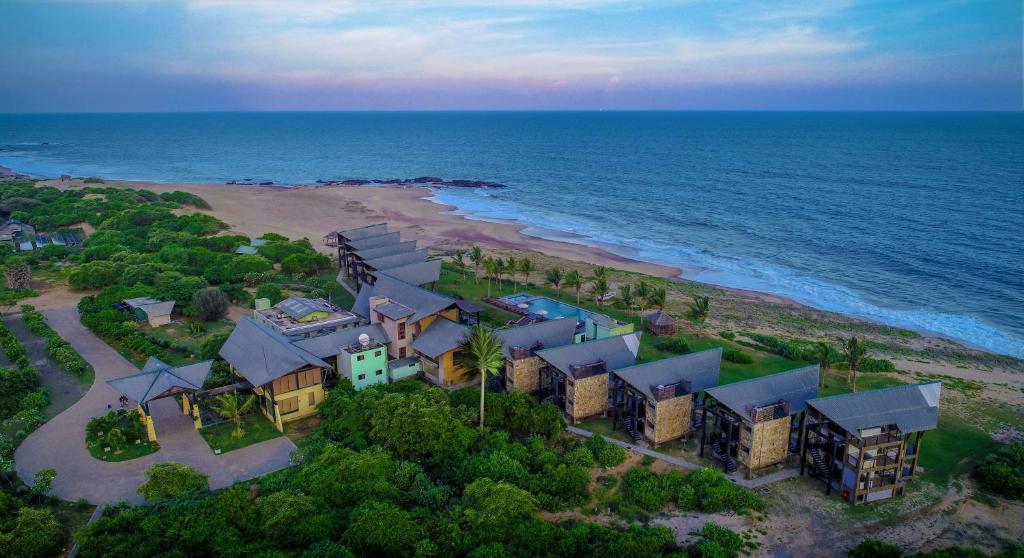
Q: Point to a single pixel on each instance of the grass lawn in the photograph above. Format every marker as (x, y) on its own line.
(130, 451)
(257, 429)
(178, 333)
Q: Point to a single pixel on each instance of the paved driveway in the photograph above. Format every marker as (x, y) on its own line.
(60, 443)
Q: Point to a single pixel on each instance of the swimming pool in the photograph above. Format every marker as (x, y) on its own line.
(544, 306)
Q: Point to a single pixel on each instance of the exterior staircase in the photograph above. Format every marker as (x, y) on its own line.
(728, 461)
(631, 427)
(820, 467)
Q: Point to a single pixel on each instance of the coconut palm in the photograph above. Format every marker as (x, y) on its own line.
(626, 294)
(598, 287)
(574, 280)
(642, 293)
(511, 268)
(553, 277)
(657, 298)
(234, 408)
(700, 307)
(491, 271)
(824, 354)
(526, 268)
(599, 272)
(482, 351)
(855, 350)
(476, 255)
(459, 258)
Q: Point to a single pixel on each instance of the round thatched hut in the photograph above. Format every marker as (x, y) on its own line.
(660, 323)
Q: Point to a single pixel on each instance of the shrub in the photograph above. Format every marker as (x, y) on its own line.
(306, 263)
(1003, 472)
(871, 547)
(35, 533)
(210, 348)
(676, 345)
(211, 304)
(868, 364)
(270, 291)
(172, 480)
(93, 180)
(605, 453)
(726, 334)
(737, 356)
(717, 542)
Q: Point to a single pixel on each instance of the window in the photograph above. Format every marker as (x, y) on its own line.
(308, 378)
(289, 405)
(401, 330)
(379, 372)
(360, 357)
(376, 353)
(401, 352)
(361, 376)
(312, 399)
(286, 383)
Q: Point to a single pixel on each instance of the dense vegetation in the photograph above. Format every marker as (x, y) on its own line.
(1003, 472)
(876, 548)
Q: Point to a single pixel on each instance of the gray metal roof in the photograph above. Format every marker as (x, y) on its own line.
(548, 333)
(394, 311)
(151, 306)
(617, 352)
(246, 250)
(371, 242)
(396, 260)
(603, 320)
(359, 233)
(424, 302)
(440, 337)
(795, 387)
(912, 408)
(261, 354)
(700, 369)
(325, 346)
(157, 378)
(299, 307)
(419, 273)
(386, 250)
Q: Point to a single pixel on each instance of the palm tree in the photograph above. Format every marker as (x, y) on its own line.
(657, 298)
(553, 277)
(855, 350)
(600, 272)
(511, 267)
(627, 298)
(460, 261)
(491, 271)
(699, 310)
(824, 351)
(526, 268)
(574, 280)
(482, 351)
(598, 287)
(642, 293)
(476, 255)
(234, 408)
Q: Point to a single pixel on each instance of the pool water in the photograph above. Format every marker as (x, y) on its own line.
(549, 308)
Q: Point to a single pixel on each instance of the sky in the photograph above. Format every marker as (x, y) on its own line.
(209, 55)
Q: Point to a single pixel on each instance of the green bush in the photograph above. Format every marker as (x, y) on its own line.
(705, 490)
(271, 292)
(1002, 472)
(737, 356)
(726, 334)
(172, 480)
(676, 345)
(869, 364)
(606, 454)
(211, 303)
(871, 547)
(717, 542)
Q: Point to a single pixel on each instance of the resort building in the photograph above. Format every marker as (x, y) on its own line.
(520, 345)
(866, 445)
(359, 354)
(297, 316)
(424, 273)
(656, 401)
(342, 239)
(364, 254)
(575, 377)
(660, 323)
(287, 379)
(751, 423)
(23, 237)
(150, 310)
(158, 380)
(418, 323)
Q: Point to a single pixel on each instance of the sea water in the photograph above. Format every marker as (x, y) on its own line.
(911, 219)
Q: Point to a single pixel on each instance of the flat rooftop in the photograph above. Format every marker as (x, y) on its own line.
(288, 324)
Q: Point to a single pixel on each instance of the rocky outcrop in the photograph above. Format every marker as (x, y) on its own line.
(433, 181)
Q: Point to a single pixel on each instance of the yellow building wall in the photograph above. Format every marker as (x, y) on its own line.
(453, 374)
(147, 421)
(305, 408)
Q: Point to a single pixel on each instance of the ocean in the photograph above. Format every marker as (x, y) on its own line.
(909, 219)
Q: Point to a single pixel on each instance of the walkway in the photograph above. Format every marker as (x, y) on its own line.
(60, 443)
(684, 464)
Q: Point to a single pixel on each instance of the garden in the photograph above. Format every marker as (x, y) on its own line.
(243, 424)
(118, 436)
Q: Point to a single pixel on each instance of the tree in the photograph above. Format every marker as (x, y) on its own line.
(553, 277)
(699, 309)
(35, 534)
(116, 439)
(270, 291)
(243, 264)
(234, 408)
(482, 351)
(628, 299)
(491, 271)
(855, 350)
(824, 354)
(172, 480)
(574, 280)
(717, 542)
(459, 259)
(476, 255)
(489, 504)
(382, 529)
(656, 298)
(512, 268)
(17, 273)
(305, 263)
(642, 293)
(526, 268)
(210, 348)
(598, 288)
(600, 272)
(42, 482)
(211, 303)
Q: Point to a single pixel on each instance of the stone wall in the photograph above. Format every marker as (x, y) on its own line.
(523, 374)
(671, 419)
(589, 396)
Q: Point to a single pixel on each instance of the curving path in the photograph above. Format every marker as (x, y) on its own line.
(60, 443)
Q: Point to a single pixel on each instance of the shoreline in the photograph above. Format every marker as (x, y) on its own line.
(311, 211)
